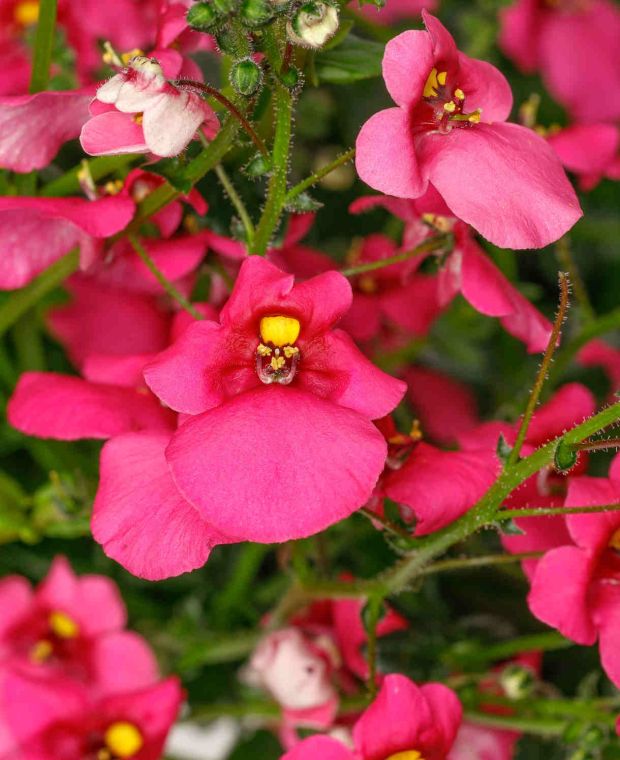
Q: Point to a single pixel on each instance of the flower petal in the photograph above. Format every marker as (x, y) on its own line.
(407, 62)
(276, 463)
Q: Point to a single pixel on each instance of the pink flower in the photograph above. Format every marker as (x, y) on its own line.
(33, 127)
(296, 670)
(466, 270)
(479, 743)
(449, 131)
(575, 587)
(591, 151)
(72, 627)
(404, 718)
(35, 232)
(50, 721)
(597, 353)
(537, 35)
(168, 116)
(394, 10)
(306, 395)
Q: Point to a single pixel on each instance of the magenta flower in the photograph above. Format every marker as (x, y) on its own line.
(72, 628)
(466, 270)
(33, 127)
(50, 721)
(575, 587)
(140, 111)
(591, 151)
(448, 130)
(306, 396)
(537, 35)
(474, 742)
(35, 232)
(405, 721)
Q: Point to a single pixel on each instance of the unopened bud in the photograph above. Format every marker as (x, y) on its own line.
(291, 78)
(313, 24)
(246, 76)
(202, 16)
(256, 12)
(517, 681)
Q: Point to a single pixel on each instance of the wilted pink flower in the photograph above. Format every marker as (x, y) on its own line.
(421, 721)
(296, 669)
(35, 232)
(449, 131)
(50, 721)
(72, 627)
(576, 586)
(306, 396)
(140, 111)
(538, 34)
(466, 270)
(33, 127)
(591, 151)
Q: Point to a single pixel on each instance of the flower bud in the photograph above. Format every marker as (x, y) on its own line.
(256, 12)
(291, 78)
(202, 16)
(313, 24)
(517, 681)
(246, 76)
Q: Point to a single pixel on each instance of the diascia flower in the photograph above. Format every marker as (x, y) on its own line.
(279, 443)
(73, 628)
(574, 44)
(405, 722)
(449, 130)
(140, 111)
(60, 721)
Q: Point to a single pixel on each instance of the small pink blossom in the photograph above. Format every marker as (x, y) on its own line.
(169, 117)
(574, 44)
(306, 395)
(449, 131)
(72, 627)
(50, 721)
(404, 718)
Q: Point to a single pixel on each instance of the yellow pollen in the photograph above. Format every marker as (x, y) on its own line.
(63, 626)
(126, 57)
(41, 651)
(474, 117)
(290, 351)
(441, 77)
(279, 331)
(416, 431)
(277, 362)
(113, 187)
(138, 118)
(432, 83)
(450, 106)
(410, 754)
(26, 13)
(459, 94)
(263, 350)
(614, 541)
(123, 739)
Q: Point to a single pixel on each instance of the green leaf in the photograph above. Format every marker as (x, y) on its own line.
(352, 61)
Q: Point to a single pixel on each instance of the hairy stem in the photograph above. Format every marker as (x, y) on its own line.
(509, 514)
(432, 244)
(463, 563)
(168, 286)
(318, 175)
(235, 199)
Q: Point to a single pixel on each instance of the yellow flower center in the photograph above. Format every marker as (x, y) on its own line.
(281, 331)
(614, 541)
(447, 102)
(63, 626)
(410, 754)
(41, 652)
(26, 13)
(123, 739)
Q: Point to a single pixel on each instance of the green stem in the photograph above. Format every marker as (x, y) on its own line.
(237, 203)
(537, 726)
(397, 530)
(43, 45)
(510, 514)
(543, 372)
(464, 563)
(22, 300)
(504, 650)
(318, 175)
(162, 279)
(276, 192)
(230, 649)
(432, 244)
(99, 167)
(565, 256)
